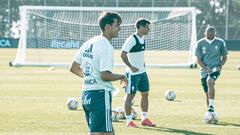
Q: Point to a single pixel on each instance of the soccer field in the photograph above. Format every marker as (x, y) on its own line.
(32, 101)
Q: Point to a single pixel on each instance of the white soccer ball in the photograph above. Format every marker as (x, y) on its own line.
(72, 104)
(207, 117)
(238, 67)
(115, 117)
(170, 95)
(211, 118)
(119, 112)
(51, 68)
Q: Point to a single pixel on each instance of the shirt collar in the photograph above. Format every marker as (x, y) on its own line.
(138, 36)
(210, 41)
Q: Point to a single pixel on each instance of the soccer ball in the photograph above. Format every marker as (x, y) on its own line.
(115, 116)
(170, 95)
(72, 104)
(119, 112)
(211, 118)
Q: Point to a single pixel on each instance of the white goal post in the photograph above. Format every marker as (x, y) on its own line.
(51, 36)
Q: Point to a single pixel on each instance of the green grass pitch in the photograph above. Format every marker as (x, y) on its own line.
(32, 101)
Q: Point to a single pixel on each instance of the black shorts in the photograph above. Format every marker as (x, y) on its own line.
(213, 75)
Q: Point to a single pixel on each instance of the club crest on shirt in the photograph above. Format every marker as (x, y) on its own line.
(204, 50)
(216, 47)
(87, 69)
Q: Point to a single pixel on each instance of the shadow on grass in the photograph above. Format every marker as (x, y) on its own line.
(228, 124)
(174, 130)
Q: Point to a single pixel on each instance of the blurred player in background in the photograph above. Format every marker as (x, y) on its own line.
(133, 56)
(211, 53)
(94, 63)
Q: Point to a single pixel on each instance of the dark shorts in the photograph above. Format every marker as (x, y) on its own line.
(98, 111)
(213, 75)
(136, 83)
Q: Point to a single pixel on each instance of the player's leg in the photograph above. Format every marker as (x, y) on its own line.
(130, 90)
(207, 99)
(99, 104)
(85, 107)
(144, 104)
(128, 106)
(143, 87)
(205, 88)
(211, 93)
(211, 89)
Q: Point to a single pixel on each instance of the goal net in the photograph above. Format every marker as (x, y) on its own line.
(51, 36)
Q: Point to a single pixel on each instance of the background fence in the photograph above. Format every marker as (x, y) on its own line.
(223, 14)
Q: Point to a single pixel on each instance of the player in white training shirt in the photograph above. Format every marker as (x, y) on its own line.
(94, 63)
(133, 56)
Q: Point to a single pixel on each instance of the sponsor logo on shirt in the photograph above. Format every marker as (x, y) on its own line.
(90, 81)
(88, 52)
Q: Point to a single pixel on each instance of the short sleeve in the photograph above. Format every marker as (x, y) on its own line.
(78, 56)
(106, 58)
(224, 49)
(198, 52)
(128, 44)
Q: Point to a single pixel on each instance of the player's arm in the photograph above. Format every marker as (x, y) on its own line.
(202, 65)
(199, 56)
(224, 53)
(109, 76)
(106, 66)
(223, 61)
(76, 69)
(126, 61)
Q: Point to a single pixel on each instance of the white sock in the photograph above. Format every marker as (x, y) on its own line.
(129, 118)
(211, 102)
(144, 115)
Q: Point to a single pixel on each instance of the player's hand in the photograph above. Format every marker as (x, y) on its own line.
(207, 69)
(219, 69)
(124, 82)
(134, 69)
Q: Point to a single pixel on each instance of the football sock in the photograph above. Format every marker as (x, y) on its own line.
(144, 115)
(211, 105)
(129, 118)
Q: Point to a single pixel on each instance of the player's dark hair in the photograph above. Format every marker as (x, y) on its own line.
(210, 29)
(108, 18)
(142, 22)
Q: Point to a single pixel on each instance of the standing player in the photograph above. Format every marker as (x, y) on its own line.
(133, 56)
(211, 55)
(94, 63)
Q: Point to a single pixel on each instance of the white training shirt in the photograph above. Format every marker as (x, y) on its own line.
(94, 56)
(135, 58)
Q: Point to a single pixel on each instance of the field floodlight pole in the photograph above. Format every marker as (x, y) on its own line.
(226, 23)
